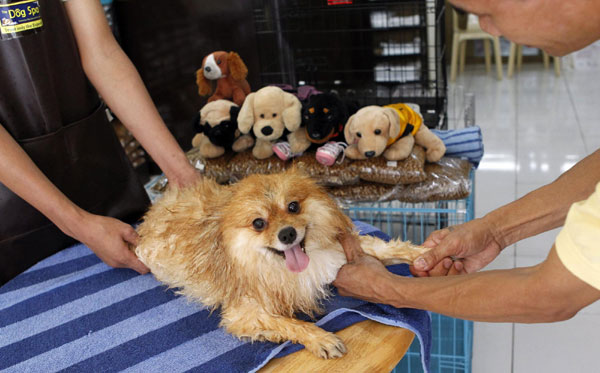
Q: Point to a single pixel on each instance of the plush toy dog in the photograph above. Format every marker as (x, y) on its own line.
(229, 71)
(392, 131)
(324, 116)
(269, 112)
(216, 124)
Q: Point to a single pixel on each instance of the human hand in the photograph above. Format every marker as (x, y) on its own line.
(459, 249)
(109, 239)
(363, 278)
(185, 176)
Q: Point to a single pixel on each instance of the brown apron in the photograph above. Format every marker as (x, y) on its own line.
(53, 112)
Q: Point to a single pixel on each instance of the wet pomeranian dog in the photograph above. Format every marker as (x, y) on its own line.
(261, 250)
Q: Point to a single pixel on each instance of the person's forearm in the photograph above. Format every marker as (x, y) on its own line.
(491, 296)
(19, 174)
(545, 293)
(498, 296)
(118, 82)
(545, 208)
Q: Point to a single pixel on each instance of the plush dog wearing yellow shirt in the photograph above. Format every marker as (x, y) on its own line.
(390, 130)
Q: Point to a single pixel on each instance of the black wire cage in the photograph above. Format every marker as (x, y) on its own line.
(376, 52)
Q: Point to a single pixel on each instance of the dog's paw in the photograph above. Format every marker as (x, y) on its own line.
(434, 154)
(328, 346)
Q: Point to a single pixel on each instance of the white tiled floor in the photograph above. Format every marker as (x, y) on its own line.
(535, 126)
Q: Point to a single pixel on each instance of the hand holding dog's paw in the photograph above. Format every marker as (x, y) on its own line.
(328, 346)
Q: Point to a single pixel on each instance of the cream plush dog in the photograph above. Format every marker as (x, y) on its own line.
(268, 112)
(392, 131)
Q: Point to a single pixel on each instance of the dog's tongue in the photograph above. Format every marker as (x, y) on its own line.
(295, 259)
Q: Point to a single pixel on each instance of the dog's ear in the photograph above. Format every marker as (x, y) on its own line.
(350, 138)
(234, 111)
(204, 85)
(292, 114)
(394, 120)
(237, 68)
(245, 117)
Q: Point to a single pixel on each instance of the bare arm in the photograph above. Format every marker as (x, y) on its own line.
(544, 293)
(116, 79)
(547, 207)
(479, 241)
(107, 237)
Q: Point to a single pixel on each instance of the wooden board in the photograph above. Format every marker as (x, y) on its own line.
(372, 347)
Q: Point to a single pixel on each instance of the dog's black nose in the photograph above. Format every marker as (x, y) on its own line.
(287, 235)
(370, 154)
(267, 130)
(207, 69)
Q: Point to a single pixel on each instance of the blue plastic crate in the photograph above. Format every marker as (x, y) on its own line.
(452, 342)
(451, 348)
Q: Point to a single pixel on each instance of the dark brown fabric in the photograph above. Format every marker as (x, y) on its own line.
(50, 108)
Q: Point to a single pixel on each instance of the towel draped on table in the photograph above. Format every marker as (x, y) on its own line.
(464, 143)
(72, 312)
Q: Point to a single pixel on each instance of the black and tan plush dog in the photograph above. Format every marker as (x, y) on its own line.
(324, 116)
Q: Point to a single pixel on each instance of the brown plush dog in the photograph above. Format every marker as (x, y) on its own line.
(229, 71)
(392, 131)
(269, 112)
(262, 250)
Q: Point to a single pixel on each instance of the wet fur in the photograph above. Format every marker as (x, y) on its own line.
(201, 240)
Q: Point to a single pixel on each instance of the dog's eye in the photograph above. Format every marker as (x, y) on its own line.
(378, 132)
(358, 134)
(218, 62)
(274, 115)
(262, 116)
(259, 224)
(294, 207)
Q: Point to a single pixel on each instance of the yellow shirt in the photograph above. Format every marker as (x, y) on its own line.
(578, 243)
(407, 117)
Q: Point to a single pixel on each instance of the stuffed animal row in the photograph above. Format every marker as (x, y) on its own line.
(266, 118)
(271, 115)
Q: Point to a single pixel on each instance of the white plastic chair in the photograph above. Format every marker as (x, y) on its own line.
(516, 53)
(472, 32)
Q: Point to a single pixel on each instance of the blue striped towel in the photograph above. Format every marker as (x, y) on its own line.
(73, 313)
(464, 143)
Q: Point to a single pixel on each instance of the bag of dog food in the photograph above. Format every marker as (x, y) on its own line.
(337, 175)
(448, 179)
(244, 163)
(380, 170)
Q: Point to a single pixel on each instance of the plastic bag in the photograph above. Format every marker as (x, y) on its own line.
(448, 179)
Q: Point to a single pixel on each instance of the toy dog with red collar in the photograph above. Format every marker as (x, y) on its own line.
(323, 118)
(229, 71)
